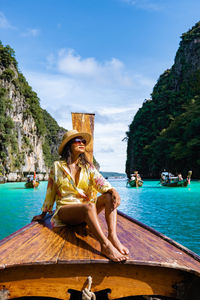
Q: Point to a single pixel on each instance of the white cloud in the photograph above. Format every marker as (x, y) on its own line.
(110, 136)
(109, 72)
(4, 23)
(31, 32)
(71, 63)
(148, 5)
(106, 150)
(77, 87)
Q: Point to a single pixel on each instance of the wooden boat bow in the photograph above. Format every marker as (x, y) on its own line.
(40, 261)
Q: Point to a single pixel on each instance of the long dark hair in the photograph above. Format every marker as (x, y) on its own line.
(67, 155)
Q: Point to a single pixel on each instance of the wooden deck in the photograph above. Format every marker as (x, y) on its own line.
(39, 261)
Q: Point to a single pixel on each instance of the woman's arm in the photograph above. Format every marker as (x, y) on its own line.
(103, 186)
(50, 197)
(98, 181)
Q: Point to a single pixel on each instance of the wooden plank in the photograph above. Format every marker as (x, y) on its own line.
(37, 244)
(81, 246)
(162, 236)
(9, 237)
(85, 122)
(146, 246)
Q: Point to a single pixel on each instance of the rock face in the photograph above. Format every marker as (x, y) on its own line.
(24, 147)
(164, 133)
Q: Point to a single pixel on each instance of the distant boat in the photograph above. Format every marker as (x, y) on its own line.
(169, 180)
(135, 180)
(32, 181)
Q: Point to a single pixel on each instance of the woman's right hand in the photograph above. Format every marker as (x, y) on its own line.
(39, 217)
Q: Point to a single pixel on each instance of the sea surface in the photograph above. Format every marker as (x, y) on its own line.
(175, 212)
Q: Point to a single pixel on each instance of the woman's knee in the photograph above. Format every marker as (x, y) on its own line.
(89, 208)
(109, 200)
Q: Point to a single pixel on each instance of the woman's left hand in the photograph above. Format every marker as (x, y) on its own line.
(115, 198)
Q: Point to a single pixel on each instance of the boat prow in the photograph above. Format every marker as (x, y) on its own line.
(134, 180)
(38, 261)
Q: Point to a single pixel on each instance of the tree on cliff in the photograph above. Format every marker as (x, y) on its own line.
(23, 123)
(164, 133)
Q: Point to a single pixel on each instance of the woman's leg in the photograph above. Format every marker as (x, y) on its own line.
(105, 202)
(77, 213)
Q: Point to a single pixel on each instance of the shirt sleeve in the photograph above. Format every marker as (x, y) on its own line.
(98, 181)
(50, 193)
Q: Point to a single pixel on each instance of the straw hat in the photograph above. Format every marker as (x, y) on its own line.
(71, 134)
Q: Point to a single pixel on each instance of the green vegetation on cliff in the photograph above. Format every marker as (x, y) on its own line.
(7, 60)
(33, 102)
(164, 133)
(6, 123)
(53, 136)
(46, 127)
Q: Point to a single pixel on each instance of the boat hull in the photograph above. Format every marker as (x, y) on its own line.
(120, 280)
(132, 183)
(182, 183)
(30, 184)
(55, 262)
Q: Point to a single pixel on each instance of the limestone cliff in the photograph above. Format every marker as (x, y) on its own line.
(27, 143)
(164, 133)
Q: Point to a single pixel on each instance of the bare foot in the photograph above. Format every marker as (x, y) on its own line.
(117, 244)
(111, 252)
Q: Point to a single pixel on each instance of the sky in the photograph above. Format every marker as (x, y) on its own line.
(96, 56)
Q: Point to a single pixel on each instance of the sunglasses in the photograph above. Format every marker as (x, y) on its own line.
(79, 141)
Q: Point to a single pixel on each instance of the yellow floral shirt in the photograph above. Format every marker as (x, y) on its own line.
(63, 190)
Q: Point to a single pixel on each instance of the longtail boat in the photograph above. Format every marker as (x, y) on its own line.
(133, 183)
(32, 182)
(65, 262)
(38, 261)
(169, 180)
(134, 180)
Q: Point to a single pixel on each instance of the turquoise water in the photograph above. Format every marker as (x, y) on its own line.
(174, 212)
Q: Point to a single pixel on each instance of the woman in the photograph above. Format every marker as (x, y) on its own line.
(73, 183)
